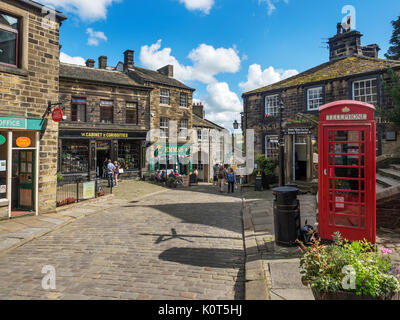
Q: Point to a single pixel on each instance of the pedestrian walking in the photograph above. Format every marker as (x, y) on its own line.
(105, 173)
(116, 172)
(221, 178)
(231, 181)
(215, 178)
(110, 173)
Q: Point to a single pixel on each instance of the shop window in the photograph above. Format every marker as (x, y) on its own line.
(365, 91)
(183, 128)
(132, 113)
(9, 39)
(129, 155)
(75, 156)
(78, 110)
(164, 127)
(106, 111)
(183, 100)
(272, 105)
(271, 147)
(164, 96)
(314, 98)
(3, 164)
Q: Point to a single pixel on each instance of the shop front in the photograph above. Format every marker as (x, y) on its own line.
(171, 157)
(84, 153)
(19, 166)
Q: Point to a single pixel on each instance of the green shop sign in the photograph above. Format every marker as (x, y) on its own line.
(2, 140)
(21, 123)
(172, 150)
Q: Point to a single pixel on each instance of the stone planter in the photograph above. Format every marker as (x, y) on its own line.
(345, 295)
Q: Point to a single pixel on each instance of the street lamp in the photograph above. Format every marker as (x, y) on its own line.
(281, 146)
(235, 125)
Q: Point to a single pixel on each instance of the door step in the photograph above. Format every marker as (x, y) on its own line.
(390, 173)
(385, 181)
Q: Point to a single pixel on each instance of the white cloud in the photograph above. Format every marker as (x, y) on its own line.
(222, 105)
(202, 5)
(207, 62)
(95, 37)
(88, 10)
(72, 60)
(256, 78)
(271, 4)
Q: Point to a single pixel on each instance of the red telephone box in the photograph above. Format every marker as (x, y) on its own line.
(347, 170)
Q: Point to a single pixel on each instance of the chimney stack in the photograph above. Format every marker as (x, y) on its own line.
(90, 63)
(198, 110)
(102, 62)
(167, 71)
(345, 43)
(129, 61)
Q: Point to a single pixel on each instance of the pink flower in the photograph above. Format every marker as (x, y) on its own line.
(298, 249)
(386, 250)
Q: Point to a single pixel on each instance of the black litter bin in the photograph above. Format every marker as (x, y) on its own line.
(258, 186)
(286, 216)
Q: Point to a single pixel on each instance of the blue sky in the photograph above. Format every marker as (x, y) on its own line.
(219, 47)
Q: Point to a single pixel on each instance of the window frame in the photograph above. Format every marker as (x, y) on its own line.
(164, 128)
(307, 96)
(268, 138)
(107, 105)
(184, 94)
(17, 40)
(129, 107)
(163, 96)
(276, 108)
(182, 128)
(78, 104)
(365, 79)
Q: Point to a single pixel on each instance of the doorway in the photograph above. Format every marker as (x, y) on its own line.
(101, 155)
(299, 158)
(23, 181)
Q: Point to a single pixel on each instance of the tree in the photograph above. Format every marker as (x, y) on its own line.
(393, 91)
(394, 51)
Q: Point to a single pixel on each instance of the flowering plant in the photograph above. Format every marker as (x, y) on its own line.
(323, 268)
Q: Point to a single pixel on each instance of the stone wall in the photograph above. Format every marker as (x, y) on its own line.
(94, 93)
(25, 91)
(174, 112)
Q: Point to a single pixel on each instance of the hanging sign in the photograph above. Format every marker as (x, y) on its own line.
(57, 115)
(23, 142)
(2, 140)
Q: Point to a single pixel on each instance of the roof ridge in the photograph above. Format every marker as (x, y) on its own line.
(89, 68)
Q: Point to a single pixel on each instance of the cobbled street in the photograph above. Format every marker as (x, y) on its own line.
(179, 244)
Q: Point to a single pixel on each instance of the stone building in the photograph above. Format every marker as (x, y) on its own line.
(106, 116)
(29, 70)
(353, 72)
(109, 112)
(170, 115)
(209, 146)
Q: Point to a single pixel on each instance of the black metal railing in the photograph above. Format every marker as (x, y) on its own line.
(74, 189)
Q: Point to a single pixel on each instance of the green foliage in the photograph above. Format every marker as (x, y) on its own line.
(60, 177)
(394, 51)
(393, 91)
(322, 265)
(266, 165)
(171, 182)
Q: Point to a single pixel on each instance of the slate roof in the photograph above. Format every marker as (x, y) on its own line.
(156, 77)
(204, 123)
(348, 66)
(105, 76)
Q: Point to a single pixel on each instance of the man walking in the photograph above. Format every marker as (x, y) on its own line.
(215, 179)
(110, 173)
(221, 178)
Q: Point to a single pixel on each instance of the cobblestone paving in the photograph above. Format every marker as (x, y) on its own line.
(182, 244)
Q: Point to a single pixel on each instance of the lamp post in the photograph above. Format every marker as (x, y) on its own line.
(281, 146)
(235, 127)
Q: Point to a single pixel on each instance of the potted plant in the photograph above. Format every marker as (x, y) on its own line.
(172, 183)
(347, 270)
(265, 167)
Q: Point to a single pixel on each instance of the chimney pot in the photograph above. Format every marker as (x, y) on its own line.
(90, 63)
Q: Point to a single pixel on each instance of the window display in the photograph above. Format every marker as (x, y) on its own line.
(129, 155)
(75, 156)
